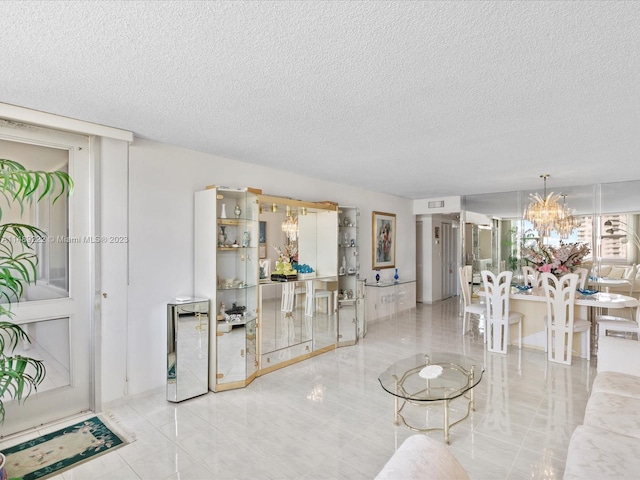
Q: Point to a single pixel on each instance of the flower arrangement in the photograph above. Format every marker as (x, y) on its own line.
(557, 260)
(288, 253)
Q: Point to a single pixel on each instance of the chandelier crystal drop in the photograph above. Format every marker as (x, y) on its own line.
(569, 223)
(290, 227)
(545, 212)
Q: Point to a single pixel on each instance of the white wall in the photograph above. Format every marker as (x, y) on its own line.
(111, 220)
(162, 181)
(431, 259)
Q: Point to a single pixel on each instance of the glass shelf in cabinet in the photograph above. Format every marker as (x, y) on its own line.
(230, 221)
(236, 287)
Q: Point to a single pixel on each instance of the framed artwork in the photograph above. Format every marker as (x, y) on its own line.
(262, 240)
(384, 240)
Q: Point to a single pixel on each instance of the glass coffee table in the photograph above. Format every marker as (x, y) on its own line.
(432, 378)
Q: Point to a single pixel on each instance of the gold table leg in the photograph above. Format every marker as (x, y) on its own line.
(396, 419)
(446, 422)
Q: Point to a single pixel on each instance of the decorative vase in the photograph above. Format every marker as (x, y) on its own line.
(245, 239)
(396, 277)
(378, 277)
(223, 211)
(237, 211)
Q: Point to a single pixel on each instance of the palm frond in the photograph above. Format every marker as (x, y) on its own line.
(21, 185)
(18, 382)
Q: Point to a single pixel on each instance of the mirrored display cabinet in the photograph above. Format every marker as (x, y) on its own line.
(269, 266)
(351, 291)
(298, 318)
(226, 272)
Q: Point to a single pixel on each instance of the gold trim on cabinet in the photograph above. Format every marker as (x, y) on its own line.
(293, 361)
(275, 200)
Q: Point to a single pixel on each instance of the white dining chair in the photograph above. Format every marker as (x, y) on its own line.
(499, 317)
(583, 276)
(612, 323)
(286, 304)
(464, 273)
(531, 276)
(311, 295)
(560, 321)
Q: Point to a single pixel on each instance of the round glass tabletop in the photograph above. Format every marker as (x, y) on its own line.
(429, 377)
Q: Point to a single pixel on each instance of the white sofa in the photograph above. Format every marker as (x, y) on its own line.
(607, 444)
(422, 458)
(620, 272)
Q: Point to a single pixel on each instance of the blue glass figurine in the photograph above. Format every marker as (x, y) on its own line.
(395, 277)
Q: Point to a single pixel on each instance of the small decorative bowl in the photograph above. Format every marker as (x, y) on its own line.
(523, 288)
(586, 291)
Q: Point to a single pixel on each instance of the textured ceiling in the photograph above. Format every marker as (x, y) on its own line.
(418, 99)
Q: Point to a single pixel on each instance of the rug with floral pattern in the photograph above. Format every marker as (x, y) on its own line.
(52, 453)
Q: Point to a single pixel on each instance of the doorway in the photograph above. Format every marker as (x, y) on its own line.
(57, 311)
(449, 261)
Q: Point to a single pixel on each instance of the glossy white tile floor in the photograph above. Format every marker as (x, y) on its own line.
(328, 417)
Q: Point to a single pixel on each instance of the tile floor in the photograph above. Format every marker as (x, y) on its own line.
(328, 417)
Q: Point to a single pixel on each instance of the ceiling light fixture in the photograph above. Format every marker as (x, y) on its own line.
(568, 224)
(290, 226)
(545, 213)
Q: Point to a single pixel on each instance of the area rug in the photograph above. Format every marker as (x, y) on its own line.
(53, 453)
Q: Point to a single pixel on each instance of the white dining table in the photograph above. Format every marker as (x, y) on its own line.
(533, 305)
(598, 300)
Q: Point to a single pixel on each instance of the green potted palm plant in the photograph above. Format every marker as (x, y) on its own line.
(20, 375)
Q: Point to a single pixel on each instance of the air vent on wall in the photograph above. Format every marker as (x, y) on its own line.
(436, 204)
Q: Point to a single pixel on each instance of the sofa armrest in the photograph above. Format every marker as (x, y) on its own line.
(619, 355)
(422, 458)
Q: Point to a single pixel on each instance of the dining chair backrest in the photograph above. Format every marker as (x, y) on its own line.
(465, 274)
(497, 289)
(531, 276)
(583, 276)
(286, 304)
(560, 294)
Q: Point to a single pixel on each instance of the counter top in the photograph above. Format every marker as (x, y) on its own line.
(388, 283)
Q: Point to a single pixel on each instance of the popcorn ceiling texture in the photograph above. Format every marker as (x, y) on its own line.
(417, 99)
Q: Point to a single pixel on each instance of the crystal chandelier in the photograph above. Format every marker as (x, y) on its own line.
(569, 223)
(545, 213)
(290, 226)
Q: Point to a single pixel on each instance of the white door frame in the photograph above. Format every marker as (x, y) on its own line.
(449, 261)
(58, 403)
